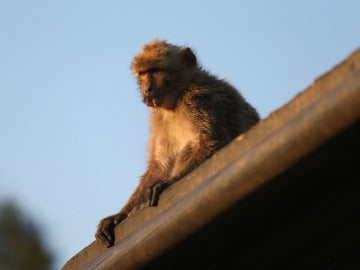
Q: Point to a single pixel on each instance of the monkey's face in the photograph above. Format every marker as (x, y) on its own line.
(155, 84)
(162, 71)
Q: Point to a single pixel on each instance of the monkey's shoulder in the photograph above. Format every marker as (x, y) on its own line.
(211, 94)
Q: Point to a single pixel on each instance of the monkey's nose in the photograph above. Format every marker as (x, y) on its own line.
(147, 89)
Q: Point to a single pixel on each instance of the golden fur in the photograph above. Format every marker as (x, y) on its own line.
(193, 114)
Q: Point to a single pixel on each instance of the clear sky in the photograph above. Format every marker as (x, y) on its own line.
(73, 130)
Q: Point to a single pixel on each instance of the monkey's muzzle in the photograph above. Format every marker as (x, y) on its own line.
(152, 101)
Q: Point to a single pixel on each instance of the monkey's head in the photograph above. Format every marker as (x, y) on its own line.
(163, 70)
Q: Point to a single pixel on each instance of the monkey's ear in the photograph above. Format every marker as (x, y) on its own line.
(189, 57)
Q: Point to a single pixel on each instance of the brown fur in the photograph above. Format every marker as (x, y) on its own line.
(193, 114)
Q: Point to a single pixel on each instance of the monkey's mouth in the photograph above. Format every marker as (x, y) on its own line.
(152, 101)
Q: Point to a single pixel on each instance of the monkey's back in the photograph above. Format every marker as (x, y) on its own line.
(219, 106)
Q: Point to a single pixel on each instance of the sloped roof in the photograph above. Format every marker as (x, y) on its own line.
(284, 195)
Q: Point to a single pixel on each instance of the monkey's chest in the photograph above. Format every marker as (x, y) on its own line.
(174, 136)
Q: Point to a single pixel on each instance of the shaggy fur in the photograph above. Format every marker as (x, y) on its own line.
(193, 114)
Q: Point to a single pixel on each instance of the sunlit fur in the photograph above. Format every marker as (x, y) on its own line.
(193, 114)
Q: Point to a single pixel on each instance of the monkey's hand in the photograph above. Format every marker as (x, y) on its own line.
(105, 231)
(155, 190)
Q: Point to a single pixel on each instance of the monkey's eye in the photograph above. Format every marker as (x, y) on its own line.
(154, 70)
(140, 73)
(149, 71)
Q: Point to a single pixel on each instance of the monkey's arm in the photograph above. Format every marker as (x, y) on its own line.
(105, 230)
(211, 133)
(193, 154)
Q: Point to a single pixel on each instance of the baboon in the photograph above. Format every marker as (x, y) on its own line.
(193, 114)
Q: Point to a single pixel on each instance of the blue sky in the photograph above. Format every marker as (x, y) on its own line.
(73, 130)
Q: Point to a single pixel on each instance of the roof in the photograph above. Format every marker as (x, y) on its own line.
(284, 195)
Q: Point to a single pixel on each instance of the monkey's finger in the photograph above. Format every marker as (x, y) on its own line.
(150, 195)
(104, 240)
(152, 201)
(109, 235)
(156, 190)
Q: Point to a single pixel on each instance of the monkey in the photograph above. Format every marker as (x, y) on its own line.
(193, 114)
